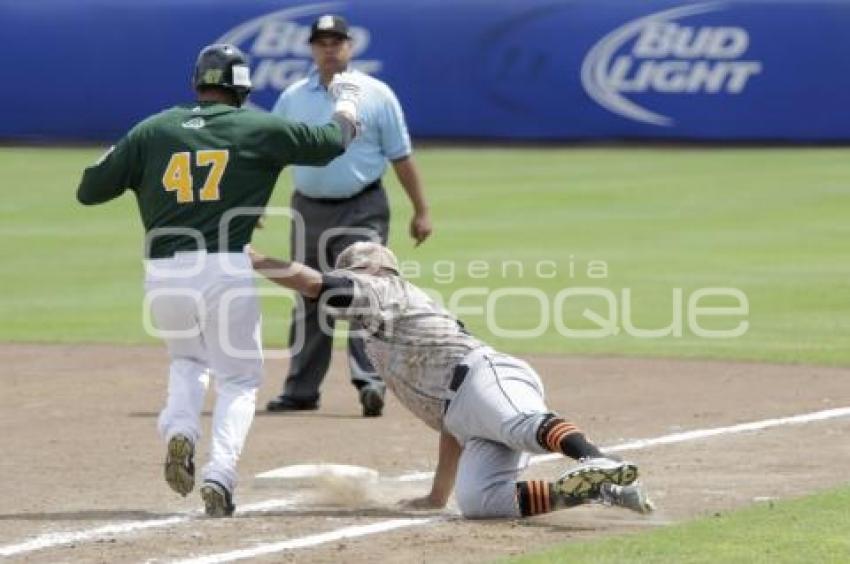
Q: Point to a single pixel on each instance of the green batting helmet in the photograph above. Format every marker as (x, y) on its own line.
(224, 66)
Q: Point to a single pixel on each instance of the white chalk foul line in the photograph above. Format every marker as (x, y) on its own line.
(384, 526)
(57, 539)
(312, 540)
(686, 436)
(50, 540)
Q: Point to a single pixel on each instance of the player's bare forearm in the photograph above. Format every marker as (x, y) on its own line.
(293, 275)
(408, 176)
(444, 477)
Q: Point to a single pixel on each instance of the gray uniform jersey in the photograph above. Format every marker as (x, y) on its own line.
(415, 345)
(411, 340)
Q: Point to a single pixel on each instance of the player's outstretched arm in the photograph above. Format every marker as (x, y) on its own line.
(302, 144)
(346, 95)
(292, 275)
(444, 477)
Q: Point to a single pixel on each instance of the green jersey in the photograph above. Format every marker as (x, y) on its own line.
(202, 173)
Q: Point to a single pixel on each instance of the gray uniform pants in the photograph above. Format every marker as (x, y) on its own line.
(362, 217)
(494, 415)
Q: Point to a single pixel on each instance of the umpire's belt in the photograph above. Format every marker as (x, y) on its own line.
(461, 371)
(366, 189)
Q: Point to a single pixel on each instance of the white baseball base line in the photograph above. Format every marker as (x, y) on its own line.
(50, 540)
(312, 540)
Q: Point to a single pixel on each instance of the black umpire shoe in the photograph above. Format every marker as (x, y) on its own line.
(288, 403)
(372, 401)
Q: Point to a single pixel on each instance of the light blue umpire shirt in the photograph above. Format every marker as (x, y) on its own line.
(383, 135)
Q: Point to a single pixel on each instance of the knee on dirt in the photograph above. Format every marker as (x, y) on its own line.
(486, 500)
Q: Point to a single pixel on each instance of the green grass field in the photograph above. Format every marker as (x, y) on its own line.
(810, 529)
(770, 222)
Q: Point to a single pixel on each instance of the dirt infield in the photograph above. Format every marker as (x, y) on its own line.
(80, 452)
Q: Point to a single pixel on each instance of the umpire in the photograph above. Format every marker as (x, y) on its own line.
(346, 197)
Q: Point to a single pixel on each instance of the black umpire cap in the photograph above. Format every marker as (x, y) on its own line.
(329, 24)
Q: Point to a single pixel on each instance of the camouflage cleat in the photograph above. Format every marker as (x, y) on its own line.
(583, 481)
(629, 497)
(180, 464)
(217, 500)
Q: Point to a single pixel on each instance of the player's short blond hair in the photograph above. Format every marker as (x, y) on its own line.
(369, 256)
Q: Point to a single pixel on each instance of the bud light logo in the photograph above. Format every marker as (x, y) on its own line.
(280, 53)
(658, 54)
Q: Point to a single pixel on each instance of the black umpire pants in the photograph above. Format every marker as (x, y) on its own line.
(329, 227)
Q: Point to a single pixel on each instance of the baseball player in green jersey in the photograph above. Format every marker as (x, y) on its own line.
(202, 174)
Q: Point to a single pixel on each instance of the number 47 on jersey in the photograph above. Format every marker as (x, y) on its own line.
(178, 174)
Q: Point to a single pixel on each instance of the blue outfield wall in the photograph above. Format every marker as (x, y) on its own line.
(501, 69)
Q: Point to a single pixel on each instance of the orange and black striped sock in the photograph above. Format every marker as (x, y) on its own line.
(534, 497)
(556, 434)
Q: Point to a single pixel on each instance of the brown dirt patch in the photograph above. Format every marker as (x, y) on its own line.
(80, 451)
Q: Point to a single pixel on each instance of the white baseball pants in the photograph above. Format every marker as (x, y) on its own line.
(205, 308)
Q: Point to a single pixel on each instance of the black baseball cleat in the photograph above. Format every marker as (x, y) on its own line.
(372, 401)
(583, 481)
(287, 403)
(180, 464)
(217, 500)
